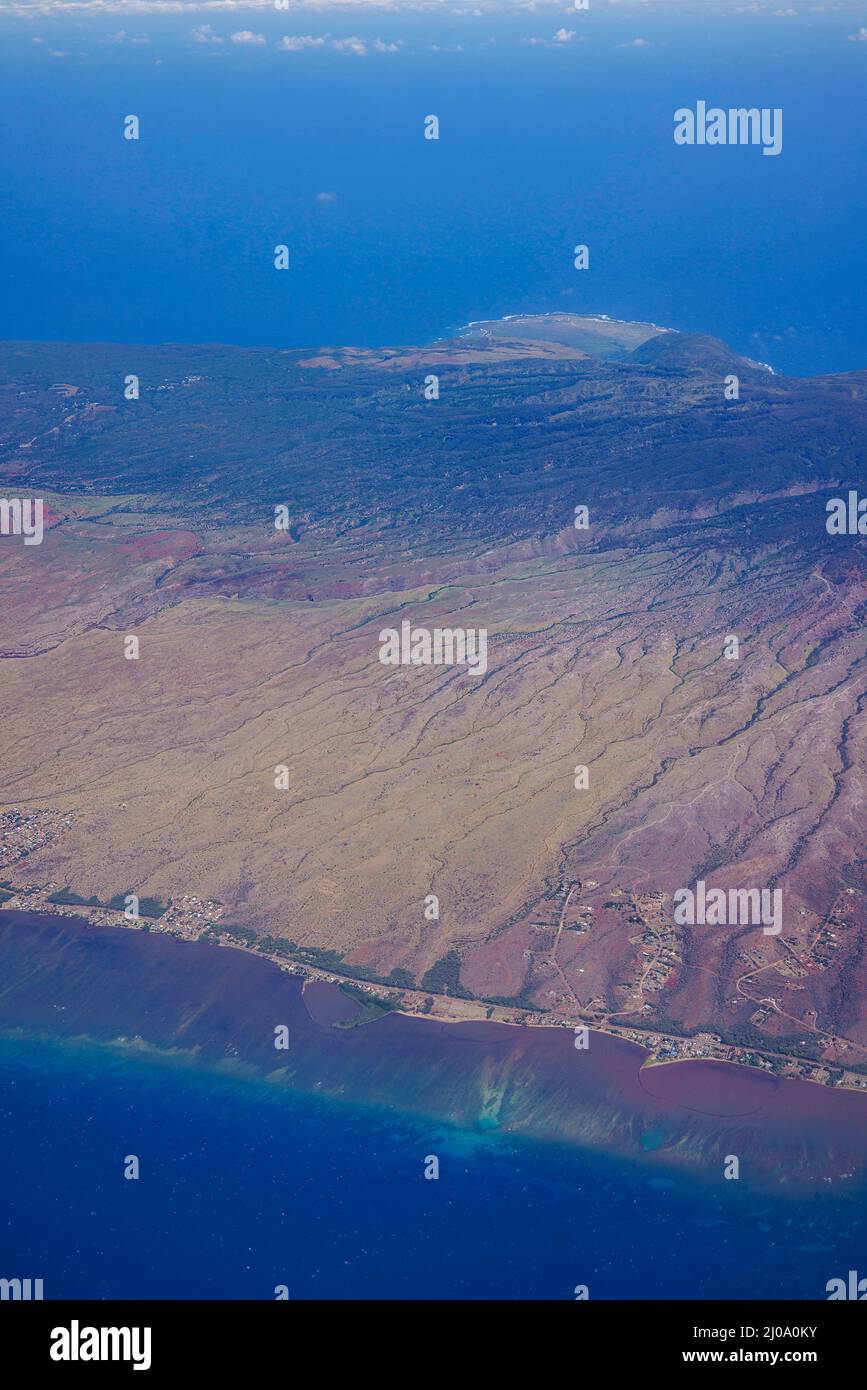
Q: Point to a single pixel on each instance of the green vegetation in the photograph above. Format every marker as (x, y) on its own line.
(326, 959)
(148, 907)
(800, 1045)
(275, 946)
(245, 935)
(444, 977)
(67, 898)
(513, 1002)
(371, 1007)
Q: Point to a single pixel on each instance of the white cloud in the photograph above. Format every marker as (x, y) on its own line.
(295, 43)
(247, 36)
(562, 36)
(31, 8)
(205, 34)
(165, 7)
(860, 37)
(326, 197)
(350, 45)
(635, 43)
(299, 43)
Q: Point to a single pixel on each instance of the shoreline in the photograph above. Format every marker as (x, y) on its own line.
(392, 996)
(566, 314)
(218, 1010)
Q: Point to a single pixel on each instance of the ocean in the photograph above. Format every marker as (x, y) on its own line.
(244, 1188)
(306, 1168)
(544, 144)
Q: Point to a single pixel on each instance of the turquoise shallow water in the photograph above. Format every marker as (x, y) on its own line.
(244, 1187)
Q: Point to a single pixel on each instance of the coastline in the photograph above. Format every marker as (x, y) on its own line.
(130, 990)
(565, 313)
(192, 921)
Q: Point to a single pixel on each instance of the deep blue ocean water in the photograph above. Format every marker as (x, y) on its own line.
(243, 1188)
(543, 146)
